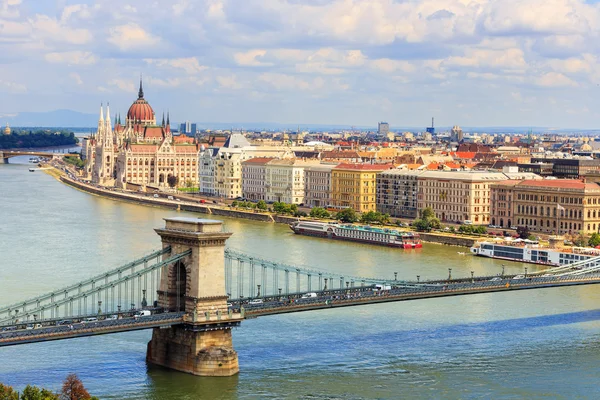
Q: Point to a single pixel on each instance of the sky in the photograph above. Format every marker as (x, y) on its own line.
(464, 62)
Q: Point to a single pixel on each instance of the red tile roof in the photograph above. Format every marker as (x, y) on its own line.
(258, 160)
(364, 167)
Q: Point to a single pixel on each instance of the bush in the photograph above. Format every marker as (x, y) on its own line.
(261, 205)
(347, 215)
(428, 221)
(319, 212)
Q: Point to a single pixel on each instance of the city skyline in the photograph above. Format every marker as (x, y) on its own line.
(323, 62)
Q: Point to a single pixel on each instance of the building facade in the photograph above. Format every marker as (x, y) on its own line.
(284, 180)
(354, 186)
(457, 196)
(397, 193)
(221, 168)
(317, 185)
(254, 172)
(140, 152)
(557, 206)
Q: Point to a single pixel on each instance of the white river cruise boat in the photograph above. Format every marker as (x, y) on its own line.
(358, 233)
(530, 252)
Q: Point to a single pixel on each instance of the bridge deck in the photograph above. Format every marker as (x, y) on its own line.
(22, 336)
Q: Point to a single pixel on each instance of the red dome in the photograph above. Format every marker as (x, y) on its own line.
(140, 110)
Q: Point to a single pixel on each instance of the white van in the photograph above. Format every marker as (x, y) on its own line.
(255, 301)
(170, 197)
(90, 319)
(467, 222)
(142, 313)
(309, 295)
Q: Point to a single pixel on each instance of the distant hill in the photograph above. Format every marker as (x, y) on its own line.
(50, 118)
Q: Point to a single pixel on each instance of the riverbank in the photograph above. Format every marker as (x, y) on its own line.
(203, 208)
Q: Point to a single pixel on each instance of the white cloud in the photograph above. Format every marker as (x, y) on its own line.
(49, 29)
(10, 8)
(131, 37)
(387, 65)
(123, 84)
(76, 78)
(555, 79)
(249, 58)
(12, 87)
(190, 65)
(229, 82)
(71, 58)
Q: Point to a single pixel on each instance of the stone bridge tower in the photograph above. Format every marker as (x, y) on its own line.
(195, 285)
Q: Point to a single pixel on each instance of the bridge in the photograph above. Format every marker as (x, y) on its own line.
(193, 291)
(6, 154)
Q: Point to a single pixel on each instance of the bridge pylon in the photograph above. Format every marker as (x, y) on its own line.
(196, 284)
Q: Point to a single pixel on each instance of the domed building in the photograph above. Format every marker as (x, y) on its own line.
(7, 129)
(140, 152)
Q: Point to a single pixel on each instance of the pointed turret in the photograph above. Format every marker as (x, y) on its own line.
(101, 114)
(141, 91)
(108, 113)
(163, 120)
(119, 118)
(168, 122)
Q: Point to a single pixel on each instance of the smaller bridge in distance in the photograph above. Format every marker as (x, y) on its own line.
(6, 154)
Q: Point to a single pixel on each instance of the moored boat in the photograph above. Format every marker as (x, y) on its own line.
(529, 251)
(358, 233)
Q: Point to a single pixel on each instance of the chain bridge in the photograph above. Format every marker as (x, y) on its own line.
(193, 291)
(6, 154)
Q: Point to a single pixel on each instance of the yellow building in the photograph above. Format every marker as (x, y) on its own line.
(556, 206)
(355, 185)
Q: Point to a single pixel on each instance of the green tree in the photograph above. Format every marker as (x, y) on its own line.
(261, 205)
(189, 183)
(34, 393)
(293, 208)
(8, 393)
(319, 212)
(428, 220)
(523, 232)
(347, 215)
(172, 180)
(594, 240)
(234, 203)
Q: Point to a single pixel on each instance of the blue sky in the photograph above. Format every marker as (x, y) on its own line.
(466, 62)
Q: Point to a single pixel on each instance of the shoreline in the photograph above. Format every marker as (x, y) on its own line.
(222, 211)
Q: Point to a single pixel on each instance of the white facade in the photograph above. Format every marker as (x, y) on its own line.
(254, 178)
(284, 180)
(221, 168)
(317, 185)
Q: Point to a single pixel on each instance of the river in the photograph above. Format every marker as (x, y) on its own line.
(531, 344)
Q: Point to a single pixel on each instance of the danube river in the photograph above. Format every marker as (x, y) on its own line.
(531, 344)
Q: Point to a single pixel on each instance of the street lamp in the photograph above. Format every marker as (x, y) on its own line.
(472, 280)
(418, 278)
(502, 269)
(525, 272)
(449, 274)
(395, 276)
(258, 291)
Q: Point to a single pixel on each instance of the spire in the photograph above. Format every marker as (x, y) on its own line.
(141, 91)
(108, 113)
(116, 119)
(168, 122)
(163, 121)
(119, 118)
(101, 114)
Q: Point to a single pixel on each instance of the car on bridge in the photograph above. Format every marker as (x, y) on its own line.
(255, 301)
(519, 277)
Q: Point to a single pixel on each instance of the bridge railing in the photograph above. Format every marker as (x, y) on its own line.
(121, 290)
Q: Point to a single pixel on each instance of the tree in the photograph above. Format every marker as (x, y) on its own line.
(234, 203)
(428, 221)
(261, 205)
(319, 212)
(594, 240)
(73, 389)
(189, 183)
(347, 215)
(34, 393)
(172, 180)
(8, 393)
(523, 232)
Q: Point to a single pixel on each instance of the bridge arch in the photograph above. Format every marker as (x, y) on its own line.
(179, 287)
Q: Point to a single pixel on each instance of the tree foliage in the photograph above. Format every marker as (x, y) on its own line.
(35, 393)
(480, 229)
(73, 389)
(8, 393)
(523, 232)
(172, 180)
(261, 205)
(594, 240)
(374, 217)
(427, 220)
(319, 212)
(347, 215)
(40, 138)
